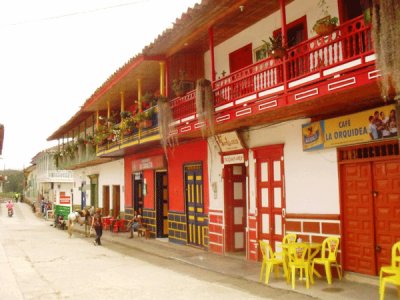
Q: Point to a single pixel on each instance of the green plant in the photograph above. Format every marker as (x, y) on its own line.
(326, 24)
(126, 114)
(80, 141)
(178, 85)
(274, 46)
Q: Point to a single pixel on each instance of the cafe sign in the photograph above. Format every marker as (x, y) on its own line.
(229, 141)
(366, 126)
(233, 159)
(149, 163)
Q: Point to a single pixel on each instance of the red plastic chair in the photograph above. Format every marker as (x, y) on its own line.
(122, 225)
(106, 223)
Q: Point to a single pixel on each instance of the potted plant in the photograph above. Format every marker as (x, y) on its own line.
(178, 85)
(327, 24)
(274, 47)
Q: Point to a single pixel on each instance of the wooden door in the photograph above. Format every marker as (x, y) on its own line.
(116, 200)
(270, 194)
(358, 218)
(235, 207)
(162, 204)
(371, 214)
(386, 193)
(106, 200)
(196, 219)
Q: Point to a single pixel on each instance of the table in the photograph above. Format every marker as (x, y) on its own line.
(315, 248)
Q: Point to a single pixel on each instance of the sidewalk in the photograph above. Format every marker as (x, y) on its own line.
(248, 270)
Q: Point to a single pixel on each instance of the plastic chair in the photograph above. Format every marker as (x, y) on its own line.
(298, 259)
(269, 261)
(393, 279)
(328, 257)
(289, 238)
(393, 270)
(394, 267)
(106, 223)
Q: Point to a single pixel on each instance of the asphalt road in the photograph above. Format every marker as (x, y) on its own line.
(38, 261)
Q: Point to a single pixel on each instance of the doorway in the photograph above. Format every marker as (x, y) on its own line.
(196, 220)
(106, 200)
(94, 190)
(137, 188)
(162, 204)
(116, 198)
(235, 207)
(370, 198)
(270, 194)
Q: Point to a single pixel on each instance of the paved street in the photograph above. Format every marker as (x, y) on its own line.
(38, 261)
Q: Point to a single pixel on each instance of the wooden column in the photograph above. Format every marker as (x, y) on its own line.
(139, 82)
(283, 32)
(122, 100)
(162, 78)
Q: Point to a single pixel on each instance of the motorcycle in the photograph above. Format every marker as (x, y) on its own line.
(10, 212)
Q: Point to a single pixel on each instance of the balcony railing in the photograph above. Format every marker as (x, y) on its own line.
(305, 63)
(132, 137)
(84, 154)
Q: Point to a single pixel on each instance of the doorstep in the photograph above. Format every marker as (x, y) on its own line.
(362, 278)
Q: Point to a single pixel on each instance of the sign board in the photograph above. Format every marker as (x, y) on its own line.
(149, 163)
(229, 141)
(233, 159)
(366, 126)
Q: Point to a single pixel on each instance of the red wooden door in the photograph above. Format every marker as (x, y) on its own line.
(270, 193)
(371, 214)
(235, 207)
(386, 195)
(358, 218)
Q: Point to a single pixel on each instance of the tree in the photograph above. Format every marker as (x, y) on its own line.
(15, 180)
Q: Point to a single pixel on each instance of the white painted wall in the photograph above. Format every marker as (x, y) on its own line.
(111, 173)
(215, 168)
(311, 183)
(263, 29)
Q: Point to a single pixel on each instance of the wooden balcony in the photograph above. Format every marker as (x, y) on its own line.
(312, 79)
(325, 75)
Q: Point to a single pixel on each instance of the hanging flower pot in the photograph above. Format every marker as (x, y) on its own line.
(325, 25)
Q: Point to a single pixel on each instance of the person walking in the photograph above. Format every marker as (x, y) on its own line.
(96, 223)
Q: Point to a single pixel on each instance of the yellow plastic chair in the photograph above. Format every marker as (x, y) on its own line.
(289, 238)
(393, 271)
(270, 260)
(394, 267)
(298, 259)
(393, 279)
(328, 257)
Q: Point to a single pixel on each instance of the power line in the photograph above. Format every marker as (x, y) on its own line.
(84, 12)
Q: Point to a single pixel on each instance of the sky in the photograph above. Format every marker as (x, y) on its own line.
(55, 53)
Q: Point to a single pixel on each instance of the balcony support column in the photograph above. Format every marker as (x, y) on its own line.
(139, 83)
(284, 38)
(211, 46)
(122, 100)
(162, 78)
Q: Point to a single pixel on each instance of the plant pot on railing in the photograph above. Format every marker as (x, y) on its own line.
(325, 26)
(278, 53)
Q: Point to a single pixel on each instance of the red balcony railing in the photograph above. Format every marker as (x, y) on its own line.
(318, 55)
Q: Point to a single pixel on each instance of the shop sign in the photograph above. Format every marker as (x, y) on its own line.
(366, 126)
(229, 141)
(149, 163)
(64, 199)
(233, 159)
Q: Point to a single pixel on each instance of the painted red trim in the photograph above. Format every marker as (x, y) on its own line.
(211, 46)
(313, 216)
